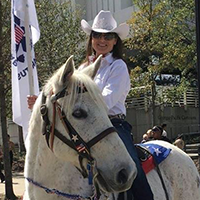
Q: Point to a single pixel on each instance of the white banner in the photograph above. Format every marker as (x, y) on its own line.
(19, 62)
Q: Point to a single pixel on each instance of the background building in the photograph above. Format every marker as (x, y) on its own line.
(121, 9)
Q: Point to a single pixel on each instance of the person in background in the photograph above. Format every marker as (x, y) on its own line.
(157, 134)
(164, 133)
(11, 150)
(179, 143)
(147, 136)
(2, 177)
(112, 78)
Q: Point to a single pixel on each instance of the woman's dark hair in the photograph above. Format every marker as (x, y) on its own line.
(117, 49)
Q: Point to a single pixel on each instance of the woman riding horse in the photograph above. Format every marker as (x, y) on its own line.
(113, 80)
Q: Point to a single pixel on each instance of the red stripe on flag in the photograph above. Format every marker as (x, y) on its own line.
(148, 165)
(19, 33)
(80, 148)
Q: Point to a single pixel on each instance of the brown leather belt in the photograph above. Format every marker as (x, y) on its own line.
(118, 116)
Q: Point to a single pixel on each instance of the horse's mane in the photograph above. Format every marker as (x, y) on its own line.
(77, 80)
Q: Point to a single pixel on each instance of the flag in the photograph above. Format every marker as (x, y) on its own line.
(80, 147)
(19, 59)
(158, 154)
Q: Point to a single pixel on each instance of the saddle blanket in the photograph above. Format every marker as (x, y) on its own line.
(158, 154)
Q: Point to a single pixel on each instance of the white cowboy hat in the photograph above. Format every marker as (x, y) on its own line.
(105, 23)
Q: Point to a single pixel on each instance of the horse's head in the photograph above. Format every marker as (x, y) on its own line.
(78, 130)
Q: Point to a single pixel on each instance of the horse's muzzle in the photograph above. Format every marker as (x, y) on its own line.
(121, 181)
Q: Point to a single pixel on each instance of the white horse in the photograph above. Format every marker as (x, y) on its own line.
(63, 165)
(72, 105)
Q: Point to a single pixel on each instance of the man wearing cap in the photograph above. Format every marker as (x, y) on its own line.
(157, 134)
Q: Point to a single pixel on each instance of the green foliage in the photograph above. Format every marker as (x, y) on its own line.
(163, 41)
(137, 77)
(60, 38)
(163, 31)
(172, 94)
(5, 54)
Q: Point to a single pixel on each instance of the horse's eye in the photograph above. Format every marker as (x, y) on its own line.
(79, 113)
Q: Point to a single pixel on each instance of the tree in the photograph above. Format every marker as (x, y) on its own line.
(163, 40)
(61, 36)
(163, 33)
(5, 54)
(6, 158)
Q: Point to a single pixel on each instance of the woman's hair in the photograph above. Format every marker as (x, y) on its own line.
(117, 49)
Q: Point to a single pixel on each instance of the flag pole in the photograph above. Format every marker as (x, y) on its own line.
(28, 47)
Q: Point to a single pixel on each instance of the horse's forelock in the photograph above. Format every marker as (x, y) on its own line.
(83, 81)
(77, 79)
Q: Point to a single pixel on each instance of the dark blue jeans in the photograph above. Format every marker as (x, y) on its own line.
(140, 189)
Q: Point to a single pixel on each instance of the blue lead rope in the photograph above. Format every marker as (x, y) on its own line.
(57, 192)
(90, 174)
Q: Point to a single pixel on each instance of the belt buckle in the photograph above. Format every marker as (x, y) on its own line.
(121, 116)
(118, 116)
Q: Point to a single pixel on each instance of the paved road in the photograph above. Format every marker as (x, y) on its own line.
(18, 184)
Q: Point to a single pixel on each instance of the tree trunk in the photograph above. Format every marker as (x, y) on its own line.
(21, 141)
(6, 158)
(153, 92)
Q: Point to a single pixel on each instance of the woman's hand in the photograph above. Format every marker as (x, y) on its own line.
(31, 100)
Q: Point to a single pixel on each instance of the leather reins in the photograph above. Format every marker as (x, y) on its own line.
(75, 142)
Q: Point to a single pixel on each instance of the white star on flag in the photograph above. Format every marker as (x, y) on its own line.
(74, 138)
(157, 151)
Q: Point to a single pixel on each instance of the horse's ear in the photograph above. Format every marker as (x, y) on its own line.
(93, 68)
(67, 70)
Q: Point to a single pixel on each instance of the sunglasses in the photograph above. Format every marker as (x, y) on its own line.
(106, 36)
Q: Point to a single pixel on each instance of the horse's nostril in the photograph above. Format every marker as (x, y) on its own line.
(122, 176)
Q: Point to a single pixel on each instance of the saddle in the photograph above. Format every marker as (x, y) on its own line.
(143, 152)
(151, 155)
(146, 158)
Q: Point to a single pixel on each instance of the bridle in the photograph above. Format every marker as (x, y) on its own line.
(75, 142)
